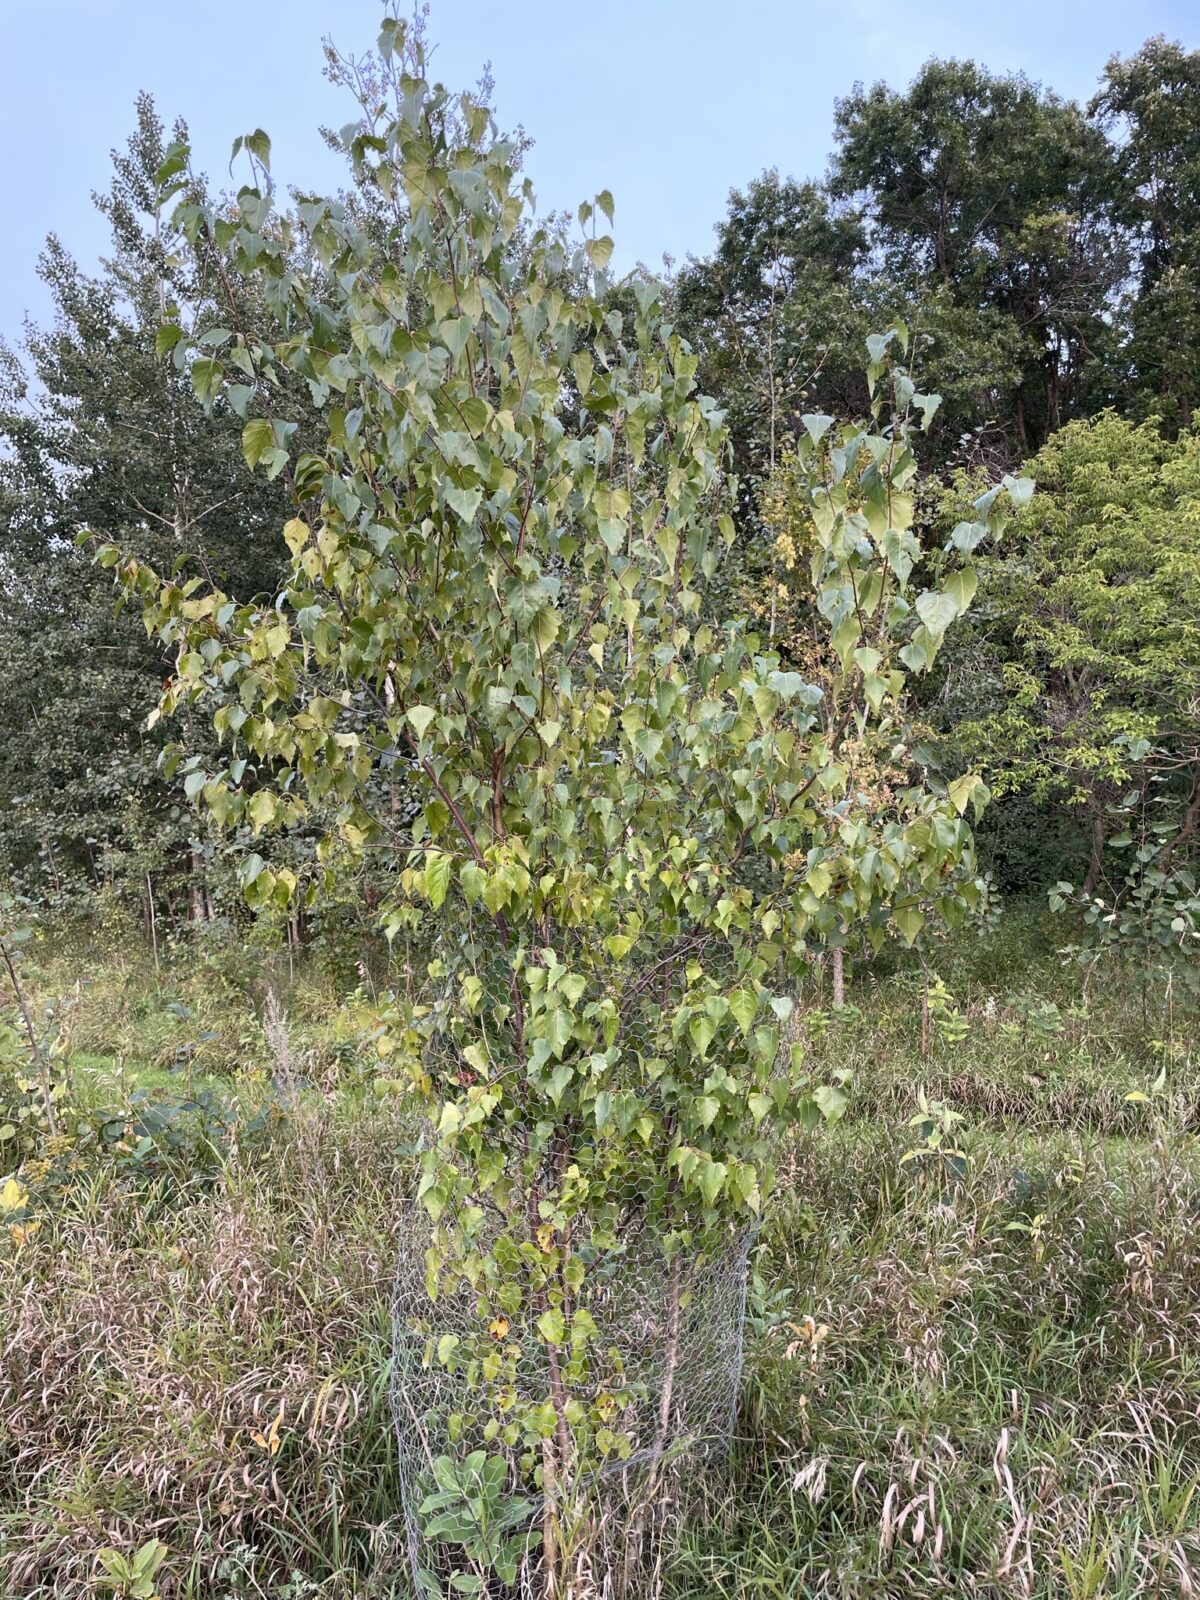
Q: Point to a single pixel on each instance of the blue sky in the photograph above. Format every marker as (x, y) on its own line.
(668, 103)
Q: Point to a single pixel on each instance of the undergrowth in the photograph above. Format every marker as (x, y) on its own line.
(974, 1337)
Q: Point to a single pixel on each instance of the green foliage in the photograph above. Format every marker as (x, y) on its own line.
(991, 204)
(472, 1508)
(949, 1024)
(1151, 104)
(937, 1128)
(31, 1080)
(1090, 636)
(99, 431)
(495, 696)
(919, 1308)
(631, 818)
(777, 316)
(164, 1135)
(1153, 910)
(132, 1577)
(885, 756)
(1043, 256)
(983, 210)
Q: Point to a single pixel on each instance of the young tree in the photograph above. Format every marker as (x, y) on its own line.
(631, 816)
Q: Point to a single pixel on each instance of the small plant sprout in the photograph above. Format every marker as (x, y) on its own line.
(132, 1577)
(937, 1126)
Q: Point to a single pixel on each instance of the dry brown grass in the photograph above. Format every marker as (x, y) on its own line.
(150, 1341)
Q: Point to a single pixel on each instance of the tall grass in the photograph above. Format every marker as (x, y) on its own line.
(990, 1388)
(149, 1341)
(975, 1373)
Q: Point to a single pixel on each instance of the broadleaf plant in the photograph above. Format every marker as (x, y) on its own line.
(629, 818)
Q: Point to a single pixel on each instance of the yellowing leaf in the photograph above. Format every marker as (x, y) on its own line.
(261, 809)
(270, 1441)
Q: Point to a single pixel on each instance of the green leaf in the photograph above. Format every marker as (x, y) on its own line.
(251, 868)
(901, 551)
(464, 502)
(707, 1109)
(261, 809)
(599, 252)
(910, 920)
(551, 1326)
(817, 426)
(525, 601)
(207, 374)
(968, 535)
(969, 789)
(559, 1030)
(937, 610)
(702, 1030)
(258, 437)
(421, 717)
(831, 1100)
(787, 685)
(710, 1177)
(914, 655)
(167, 337)
(743, 1006)
(259, 145)
(475, 413)
(648, 742)
(960, 587)
(438, 871)
(1020, 490)
(544, 630)
(473, 879)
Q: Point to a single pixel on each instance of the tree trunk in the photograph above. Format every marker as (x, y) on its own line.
(151, 919)
(1096, 863)
(1187, 827)
(196, 913)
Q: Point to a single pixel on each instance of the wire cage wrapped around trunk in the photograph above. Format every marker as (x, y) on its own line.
(659, 1380)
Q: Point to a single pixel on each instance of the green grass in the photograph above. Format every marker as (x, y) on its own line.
(972, 1377)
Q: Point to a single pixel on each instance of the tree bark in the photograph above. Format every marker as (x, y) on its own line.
(1096, 863)
(1187, 827)
(152, 919)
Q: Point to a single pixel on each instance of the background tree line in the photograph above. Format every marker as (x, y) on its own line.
(1042, 251)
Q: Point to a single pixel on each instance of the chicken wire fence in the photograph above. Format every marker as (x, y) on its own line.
(669, 1339)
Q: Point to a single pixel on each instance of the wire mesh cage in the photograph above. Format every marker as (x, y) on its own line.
(660, 1381)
